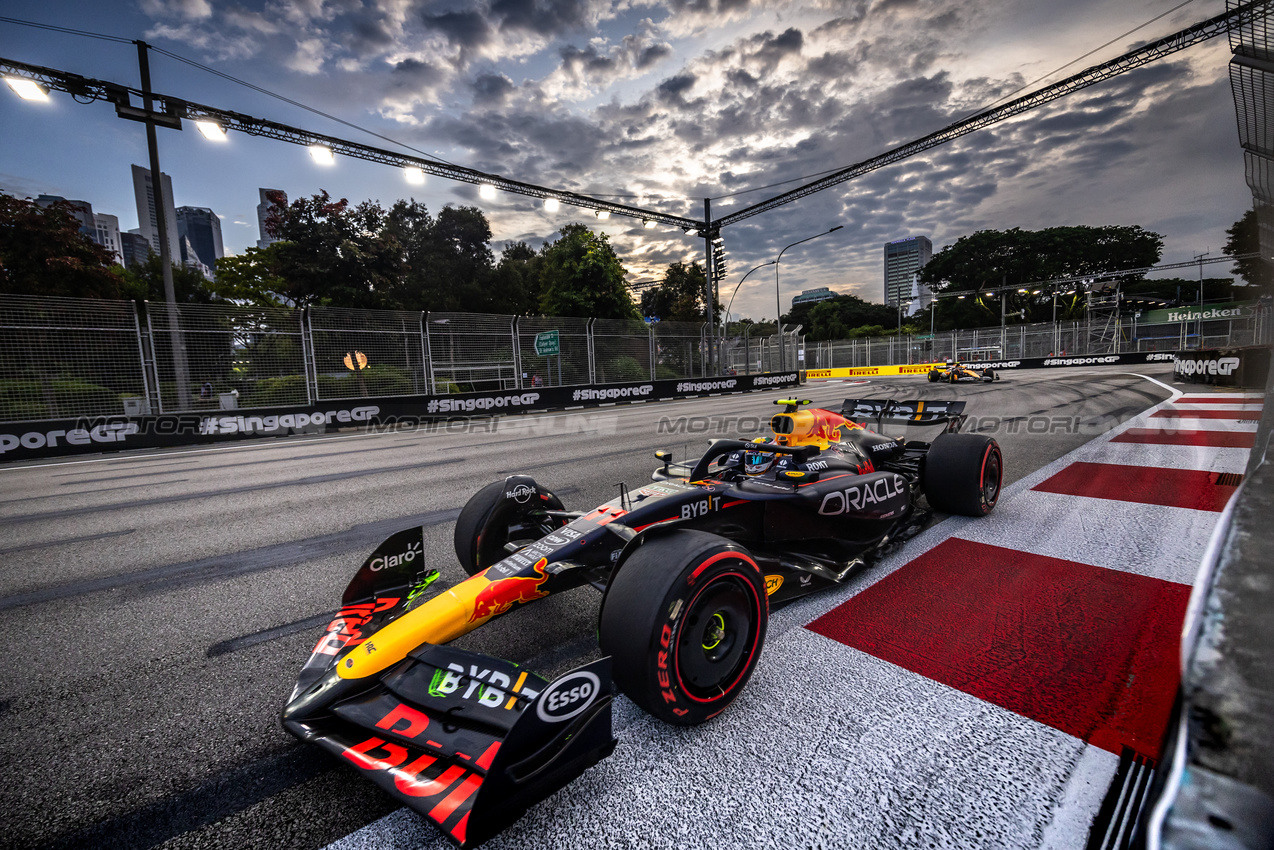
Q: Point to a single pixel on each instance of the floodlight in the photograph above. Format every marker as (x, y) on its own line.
(322, 154)
(415, 176)
(211, 130)
(552, 205)
(27, 89)
(648, 224)
(486, 190)
(603, 213)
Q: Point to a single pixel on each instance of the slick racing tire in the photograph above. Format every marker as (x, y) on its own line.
(989, 375)
(934, 375)
(684, 621)
(963, 474)
(489, 522)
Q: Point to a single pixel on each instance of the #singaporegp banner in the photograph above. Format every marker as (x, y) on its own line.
(59, 437)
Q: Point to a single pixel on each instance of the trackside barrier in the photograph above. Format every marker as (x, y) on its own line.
(60, 437)
(998, 365)
(1224, 367)
(1213, 788)
(870, 371)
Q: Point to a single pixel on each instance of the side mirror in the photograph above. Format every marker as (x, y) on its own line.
(664, 457)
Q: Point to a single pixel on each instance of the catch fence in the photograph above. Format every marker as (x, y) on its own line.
(71, 357)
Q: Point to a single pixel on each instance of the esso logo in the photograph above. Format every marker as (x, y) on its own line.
(568, 696)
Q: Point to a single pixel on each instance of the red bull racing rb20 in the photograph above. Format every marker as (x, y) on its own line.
(689, 567)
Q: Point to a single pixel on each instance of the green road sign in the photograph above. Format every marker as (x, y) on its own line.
(547, 343)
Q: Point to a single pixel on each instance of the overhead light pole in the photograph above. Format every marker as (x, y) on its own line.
(726, 323)
(778, 300)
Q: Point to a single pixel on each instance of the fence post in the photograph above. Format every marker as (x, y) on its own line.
(704, 357)
(516, 333)
(592, 351)
(650, 337)
(307, 355)
(150, 374)
(150, 331)
(429, 354)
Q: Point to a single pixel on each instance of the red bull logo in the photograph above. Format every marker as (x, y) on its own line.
(501, 595)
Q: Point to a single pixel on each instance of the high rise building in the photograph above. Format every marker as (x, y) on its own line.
(147, 219)
(108, 234)
(82, 210)
(812, 296)
(903, 258)
(135, 248)
(263, 212)
(199, 232)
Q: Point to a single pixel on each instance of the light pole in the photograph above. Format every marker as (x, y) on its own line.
(726, 324)
(1200, 257)
(778, 300)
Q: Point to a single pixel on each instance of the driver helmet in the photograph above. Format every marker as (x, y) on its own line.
(756, 463)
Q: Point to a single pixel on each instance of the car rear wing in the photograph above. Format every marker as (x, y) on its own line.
(888, 411)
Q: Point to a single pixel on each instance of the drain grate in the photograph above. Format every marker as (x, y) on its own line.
(1117, 819)
(1229, 479)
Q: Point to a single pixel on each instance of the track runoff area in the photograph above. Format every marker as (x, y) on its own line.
(976, 688)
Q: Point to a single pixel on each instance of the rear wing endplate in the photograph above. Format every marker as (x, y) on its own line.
(888, 411)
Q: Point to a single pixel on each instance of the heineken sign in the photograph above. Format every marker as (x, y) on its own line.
(1211, 312)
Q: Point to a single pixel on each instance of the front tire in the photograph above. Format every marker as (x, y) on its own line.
(490, 522)
(684, 620)
(934, 375)
(963, 474)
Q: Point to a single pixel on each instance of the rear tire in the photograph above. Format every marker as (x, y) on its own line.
(489, 522)
(684, 621)
(963, 474)
(934, 375)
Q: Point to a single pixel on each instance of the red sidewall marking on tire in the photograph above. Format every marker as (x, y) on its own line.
(676, 656)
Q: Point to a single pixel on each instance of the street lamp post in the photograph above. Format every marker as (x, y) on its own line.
(778, 300)
(726, 324)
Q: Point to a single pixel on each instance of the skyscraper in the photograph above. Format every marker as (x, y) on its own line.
(263, 212)
(82, 210)
(199, 232)
(135, 248)
(903, 258)
(108, 234)
(147, 220)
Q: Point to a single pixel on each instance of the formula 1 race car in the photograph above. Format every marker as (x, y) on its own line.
(689, 567)
(953, 371)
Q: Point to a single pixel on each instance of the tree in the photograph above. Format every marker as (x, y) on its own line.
(146, 283)
(581, 276)
(513, 286)
(43, 252)
(329, 253)
(836, 317)
(990, 259)
(679, 296)
(249, 277)
(1244, 238)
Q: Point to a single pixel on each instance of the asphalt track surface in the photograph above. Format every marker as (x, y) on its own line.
(159, 605)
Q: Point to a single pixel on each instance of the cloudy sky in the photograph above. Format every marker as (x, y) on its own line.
(661, 103)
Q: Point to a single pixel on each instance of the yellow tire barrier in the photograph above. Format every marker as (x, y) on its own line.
(870, 371)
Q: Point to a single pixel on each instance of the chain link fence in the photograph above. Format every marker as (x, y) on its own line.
(70, 357)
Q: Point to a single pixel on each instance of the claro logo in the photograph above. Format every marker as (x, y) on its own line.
(115, 432)
(390, 561)
(568, 696)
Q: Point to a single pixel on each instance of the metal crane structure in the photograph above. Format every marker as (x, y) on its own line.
(169, 111)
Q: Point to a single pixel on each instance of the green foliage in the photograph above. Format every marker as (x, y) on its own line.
(581, 276)
(620, 370)
(58, 398)
(43, 252)
(251, 277)
(146, 283)
(680, 296)
(373, 381)
(271, 392)
(1244, 238)
(836, 317)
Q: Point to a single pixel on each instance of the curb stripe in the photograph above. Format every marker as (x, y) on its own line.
(1212, 439)
(1174, 488)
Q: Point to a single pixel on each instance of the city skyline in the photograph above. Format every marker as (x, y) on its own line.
(671, 106)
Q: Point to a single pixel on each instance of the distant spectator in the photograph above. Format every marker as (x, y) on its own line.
(206, 390)
(536, 380)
